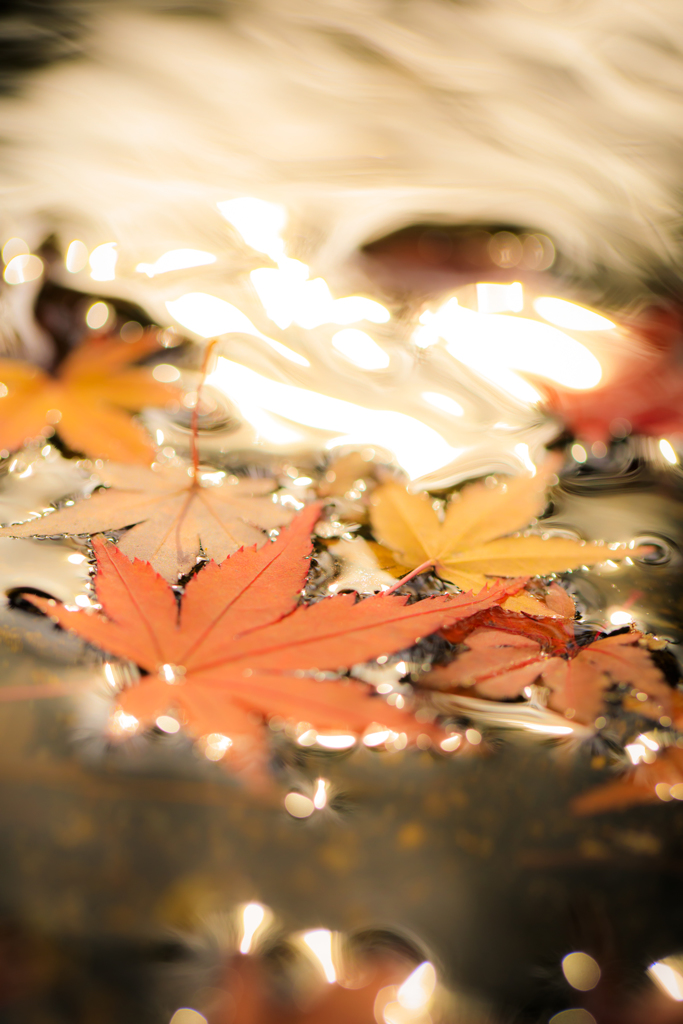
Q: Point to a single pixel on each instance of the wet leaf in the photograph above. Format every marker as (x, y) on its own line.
(554, 635)
(578, 686)
(555, 603)
(177, 515)
(498, 665)
(473, 542)
(88, 402)
(240, 649)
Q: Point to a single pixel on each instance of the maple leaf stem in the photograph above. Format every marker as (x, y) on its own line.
(195, 412)
(181, 518)
(411, 575)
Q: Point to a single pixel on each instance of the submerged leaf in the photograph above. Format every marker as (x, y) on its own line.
(554, 635)
(577, 686)
(556, 603)
(499, 665)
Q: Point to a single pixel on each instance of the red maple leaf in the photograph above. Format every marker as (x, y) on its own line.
(646, 391)
(241, 649)
(500, 664)
(555, 635)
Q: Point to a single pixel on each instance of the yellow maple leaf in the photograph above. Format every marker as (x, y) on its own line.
(473, 541)
(88, 401)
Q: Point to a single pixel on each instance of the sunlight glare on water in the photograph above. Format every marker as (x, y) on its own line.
(319, 941)
(668, 978)
(418, 448)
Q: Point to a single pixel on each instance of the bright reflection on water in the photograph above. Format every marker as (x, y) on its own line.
(668, 976)
(581, 971)
(485, 353)
(76, 256)
(260, 223)
(320, 942)
(359, 348)
(176, 259)
(210, 316)
(22, 269)
(418, 988)
(495, 345)
(570, 315)
(418, 448)
(103, 261)
(467, 357)
(254, 917)
(187, 1016)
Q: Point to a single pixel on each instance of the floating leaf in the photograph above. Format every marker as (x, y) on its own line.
(88, 401)
(177, 514)
(472, 542)
(555, 603)
(239, 650)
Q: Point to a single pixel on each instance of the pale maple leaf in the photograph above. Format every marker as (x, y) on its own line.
(238, 650)
(358, 568)
(499, 665)
(642, 784)
(178, 514)
(88, 400)
(473, 542)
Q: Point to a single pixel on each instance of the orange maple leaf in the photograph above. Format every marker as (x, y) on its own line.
(239, 650)
(88, 401)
